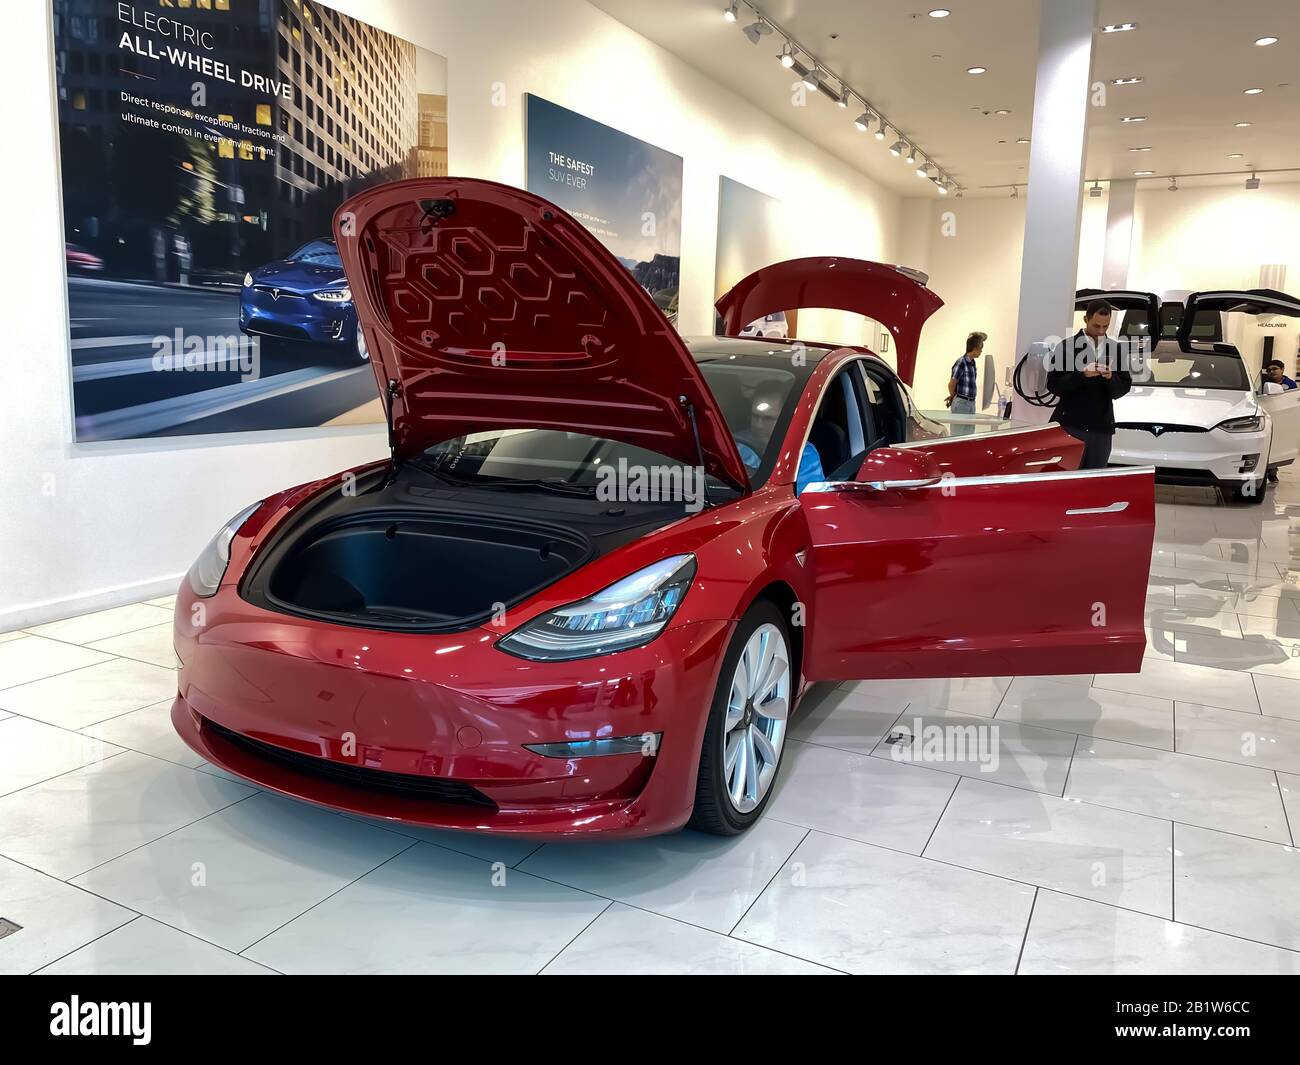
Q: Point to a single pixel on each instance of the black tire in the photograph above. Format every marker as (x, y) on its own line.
(713, 812)
(1253, 492)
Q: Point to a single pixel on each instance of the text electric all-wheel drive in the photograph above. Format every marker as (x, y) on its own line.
(474, 635)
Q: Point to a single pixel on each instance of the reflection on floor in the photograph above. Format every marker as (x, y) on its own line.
(1125, 823)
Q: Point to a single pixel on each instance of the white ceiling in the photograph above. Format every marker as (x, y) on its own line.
(1196, 57)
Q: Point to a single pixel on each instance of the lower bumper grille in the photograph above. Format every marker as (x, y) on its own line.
(407, 785)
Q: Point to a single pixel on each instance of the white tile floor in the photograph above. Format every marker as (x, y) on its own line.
(1116, 823)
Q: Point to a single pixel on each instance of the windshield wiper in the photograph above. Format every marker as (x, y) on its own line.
(547, 484)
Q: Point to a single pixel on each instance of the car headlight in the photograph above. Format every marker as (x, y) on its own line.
(334, 295)
(1252, 424)
(248, 280)
(629, 613)
(208, 569)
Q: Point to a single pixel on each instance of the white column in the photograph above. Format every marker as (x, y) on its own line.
(1119, 234)
(1055, 195)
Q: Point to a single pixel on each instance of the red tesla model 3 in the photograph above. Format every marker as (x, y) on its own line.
(603, 563)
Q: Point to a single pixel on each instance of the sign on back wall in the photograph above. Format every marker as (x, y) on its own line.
(625, 191)
(204, 149)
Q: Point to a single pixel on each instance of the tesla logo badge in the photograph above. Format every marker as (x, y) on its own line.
(1157, 429)
(801, 557)
(275, 293)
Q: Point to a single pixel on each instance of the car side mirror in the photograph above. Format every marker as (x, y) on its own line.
(1271, 388)
(888, 468)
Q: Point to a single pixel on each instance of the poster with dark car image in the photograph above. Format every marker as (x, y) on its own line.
(204, 148)
(627, 192)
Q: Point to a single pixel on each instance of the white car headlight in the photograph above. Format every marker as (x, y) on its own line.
(208, 569)
(248, 280)
(1252, 424)
(629, 613)
(334, 295)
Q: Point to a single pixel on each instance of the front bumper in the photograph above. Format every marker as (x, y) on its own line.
(1213, 458)
(296, 317)
(430, 729)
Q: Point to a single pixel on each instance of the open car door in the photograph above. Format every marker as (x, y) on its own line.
(1282, 407)
(1028, 449)
(918, 575)
(891, 295)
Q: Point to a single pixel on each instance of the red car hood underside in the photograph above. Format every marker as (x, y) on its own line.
(485, 307)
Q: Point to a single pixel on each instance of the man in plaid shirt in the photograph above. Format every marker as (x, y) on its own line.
(962, 382)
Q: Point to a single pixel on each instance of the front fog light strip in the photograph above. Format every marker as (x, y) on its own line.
(646, 743)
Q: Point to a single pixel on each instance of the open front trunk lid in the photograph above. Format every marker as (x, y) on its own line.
(894, 296)
(485, 307)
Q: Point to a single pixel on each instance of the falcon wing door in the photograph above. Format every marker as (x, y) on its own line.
(1284, 407)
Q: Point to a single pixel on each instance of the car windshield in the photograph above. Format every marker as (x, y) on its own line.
(551, 460)
(1198, 369)
(321, 252)
(753, 400)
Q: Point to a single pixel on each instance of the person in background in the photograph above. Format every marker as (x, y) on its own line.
(963, 381)
(762, 421)
(1085, 372)
(1275, 374)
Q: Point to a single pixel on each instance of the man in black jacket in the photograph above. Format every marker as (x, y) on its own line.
(1088, 373)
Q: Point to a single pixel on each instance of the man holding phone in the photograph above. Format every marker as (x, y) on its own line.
(1085, 371)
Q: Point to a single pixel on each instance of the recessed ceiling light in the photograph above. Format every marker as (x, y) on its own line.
(1143, 173)
(1144, 148)
(1134, 118)
(1243, 125)
(1236, 155)
(1264, 42)
(1132, 79)
(1119, 27)
(940, 12)
(1022, 140)
(1002, 111)
(976, 70)
(1252, 92)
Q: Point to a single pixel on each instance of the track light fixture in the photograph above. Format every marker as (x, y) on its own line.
(942, 186)
(816, 75)
(1252, 182)
(1173, 184)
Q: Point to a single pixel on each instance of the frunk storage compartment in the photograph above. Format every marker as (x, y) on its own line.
(420, 572)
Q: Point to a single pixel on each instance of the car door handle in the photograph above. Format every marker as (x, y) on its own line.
(1114, 508)
(1045, 462)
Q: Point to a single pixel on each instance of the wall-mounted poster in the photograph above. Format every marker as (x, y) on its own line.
(627, 192)
(752, 233)
(205, 145)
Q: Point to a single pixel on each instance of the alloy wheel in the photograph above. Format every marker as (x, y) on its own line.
(758, 706)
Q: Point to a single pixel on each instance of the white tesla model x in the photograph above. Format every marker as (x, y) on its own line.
(1197, 412)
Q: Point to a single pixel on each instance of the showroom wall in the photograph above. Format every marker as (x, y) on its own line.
(85, 526)
(973, 258)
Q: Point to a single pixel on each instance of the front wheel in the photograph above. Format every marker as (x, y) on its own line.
(1253, 491)
(745, 734)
